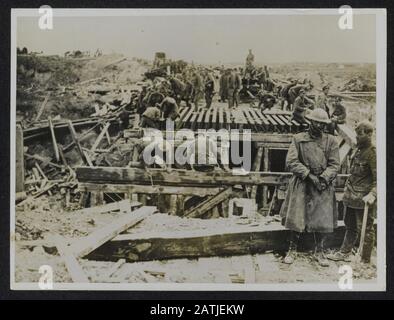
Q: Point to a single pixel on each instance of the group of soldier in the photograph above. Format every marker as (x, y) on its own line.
(310, 203)
(162, 97)
(313, 156)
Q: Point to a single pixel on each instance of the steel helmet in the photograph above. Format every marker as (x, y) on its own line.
(318, 115)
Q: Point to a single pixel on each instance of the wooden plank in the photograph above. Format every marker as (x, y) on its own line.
(123, 206)
(182, 177)
(254, 136)
(81, 137)
(113, 269)
(348, 134)
(188, 115)
(74, 268)
(100, 137)
(183, 112)
(42, 107)
(344, 150)
(271, 120)
(19, 160)
(221, 118)
(239, 117)
(193, 119)
(256, 167)
(149, 189)
(201, 117)
(283, 118)
(54, 142)
(229, 120)
(84, 246)
(255, 116)
(214, 117)
(277, 119)
(230, 241)
(76, 141)
(265, 168)
(207, 117)
(262, 117)
(249, 117)
(61, 154)
(209, 204)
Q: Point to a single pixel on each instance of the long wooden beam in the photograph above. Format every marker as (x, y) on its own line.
(135, 176)
(255, 137)
(204, 243)
(84, 246)
(149, 189)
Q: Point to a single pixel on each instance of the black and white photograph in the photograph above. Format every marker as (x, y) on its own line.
(198, 149)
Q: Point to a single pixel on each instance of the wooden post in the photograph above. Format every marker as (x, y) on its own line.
(76, 141)
(265, 168)
(256, 167)
(55, 147)
(19, 161)
(173, 204)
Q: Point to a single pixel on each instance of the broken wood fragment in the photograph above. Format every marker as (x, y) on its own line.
(84, 246)
(74, 137)
(55, 147)
(74, 268)
(61, 154)
(120, 205)
(43, 160)
(209, 204)
(40, 111)
(113, 269)
(100, 137)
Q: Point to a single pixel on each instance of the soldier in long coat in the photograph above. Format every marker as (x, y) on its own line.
(310, 204)
(223, 90)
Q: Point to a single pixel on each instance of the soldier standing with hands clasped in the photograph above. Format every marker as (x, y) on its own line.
(310, 204)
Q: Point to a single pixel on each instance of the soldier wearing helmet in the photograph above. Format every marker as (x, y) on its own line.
(310, 205)
(360, 190)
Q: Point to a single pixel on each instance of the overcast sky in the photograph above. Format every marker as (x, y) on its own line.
(209, 38)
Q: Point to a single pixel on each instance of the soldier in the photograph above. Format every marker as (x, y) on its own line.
(198, 89)
(223, 90)
(310, 204)
(234, 85)
(178, 88)
(301, 105)
(266, 100)
(151, 117)
(284, 94)
(322, 99)
(338, 115)
(141, 102)
(170, 109)
(294, 92)
(209, 83)
(360, 190)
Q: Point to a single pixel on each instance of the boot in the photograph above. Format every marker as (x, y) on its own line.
(319, 255)
(339, 256)
(292, 253)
